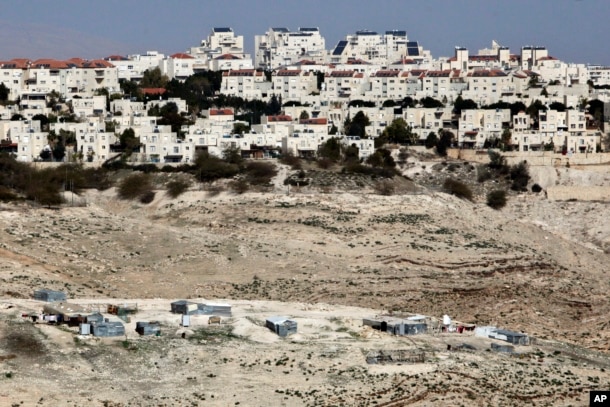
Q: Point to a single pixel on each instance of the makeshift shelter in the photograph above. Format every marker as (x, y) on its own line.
(281, 325)
(185, 307)
(113, 328)
(148, 328)
(71, 314)
(49, 295)
(212, 308)
(396, 326)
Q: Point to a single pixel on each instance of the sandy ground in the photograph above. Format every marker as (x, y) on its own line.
(326, 260)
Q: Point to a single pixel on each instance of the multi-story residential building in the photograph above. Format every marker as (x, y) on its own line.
(222, 50)
(366, 146)
(388, 84)
(280, 47)
(344, 85)
(132, 67)
(303, 144)
(376, 48)
(245, 83)
(89, 106)
(294, 84)
(229, 62)
(487, 86)
(598, 74)
(422, 120)
(13, 75)
(180, 66)
(476, 126)
(163, 145)
(31, 104)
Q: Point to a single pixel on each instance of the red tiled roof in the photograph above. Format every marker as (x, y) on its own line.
(279, 118)
(315, 120)
(404, 61)
(288, 72)
(153, 91)
(386, 73)
(227, 57)
(181, 55)
(46, 63)
(342, 74)
(221, 112)
(487, 73)
(482, 58)
(116, 58)
(96, 64)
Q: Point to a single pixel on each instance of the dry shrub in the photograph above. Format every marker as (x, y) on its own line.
(147, 197)
(135, 186)
(384, 187)
(496, 199)
(292, 161)
(177, 187)
(214, 189)
(260, 173)
(457, 188)
(239, 186)
(325, 163)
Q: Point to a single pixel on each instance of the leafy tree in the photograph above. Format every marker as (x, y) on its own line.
(45, 154)
(506, 139)
(330, 149)
(444, 142)
(210, 168)
(333, 130)
(293, 103)
(4, 92)
(59, 151)
(389, 103)
(240, 128)
(408, 102)
(429, 102)
(497, 162)
(128, 141)
(153, 78)
(351, 154)
(357, 126)
(560, 107)
(534, 108)
(17, 117)
(519, 174)
(304, 115)
(399, 132)
(232, 155)
(44, 120)
(274, 106)
(463, 104)
(361, 103)
(130, 88)
(431, 140)
(381, 158)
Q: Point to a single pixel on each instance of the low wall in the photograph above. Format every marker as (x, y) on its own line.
(534, 158)
(565, 193)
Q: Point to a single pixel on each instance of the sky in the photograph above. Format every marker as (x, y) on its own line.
(572, 30)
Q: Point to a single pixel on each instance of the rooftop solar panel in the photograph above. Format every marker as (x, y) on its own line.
(222, 30)
(340, 47)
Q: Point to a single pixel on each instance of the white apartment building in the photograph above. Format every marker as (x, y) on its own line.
(422, 120)
(132, 67)
(89, 106)
(161, 145)
(598, 74)
(222, 50)
(13, 74)
(476, 126)
(31, 104)
(229, 62)
(245, 83)
(388, 84)
(487, 86)
(180, 66)
(280, 47)
(366, 146)
(449, 84)
(293, 84)
(344, 84)
(303, 144)
(374, 48)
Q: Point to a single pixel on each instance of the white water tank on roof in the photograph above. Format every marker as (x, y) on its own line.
(446, 320)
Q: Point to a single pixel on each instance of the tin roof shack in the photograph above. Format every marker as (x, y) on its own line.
(105, 329)
(185, 307)
(148, 328)
(213, 308)
(395, 326)
(516, 338)
(502, 348)
(71, 314)
(281, 325)
(49, 295)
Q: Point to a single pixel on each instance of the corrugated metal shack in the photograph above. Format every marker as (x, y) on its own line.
(71, 314)
(112, 328)
(185, 307)
(49, 295)
(148, 328)
(396, 326)
(281, 325)
(213, 308)
(516, 338)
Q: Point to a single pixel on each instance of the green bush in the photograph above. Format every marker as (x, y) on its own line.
(147, 197)
(496, 199)
(134, 186)
(519, 174)
(259, 172)
(177, 187)
(292, 161)
(457, 188)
